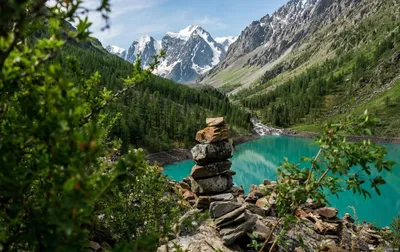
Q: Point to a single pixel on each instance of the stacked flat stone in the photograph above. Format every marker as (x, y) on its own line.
(211, 177)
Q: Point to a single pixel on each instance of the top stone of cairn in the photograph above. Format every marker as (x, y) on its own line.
(213, 122)
(217, 130)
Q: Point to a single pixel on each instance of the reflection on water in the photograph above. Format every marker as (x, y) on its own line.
(257, 160)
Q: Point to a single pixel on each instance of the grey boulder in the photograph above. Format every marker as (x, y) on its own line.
(210, 170)
(216, 184)
(218, 209)
(204, 154)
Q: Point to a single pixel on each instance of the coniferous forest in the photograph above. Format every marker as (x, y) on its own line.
(157, 115)
(363, 61)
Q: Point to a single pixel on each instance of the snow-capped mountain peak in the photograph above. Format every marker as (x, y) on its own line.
(191, 52)
(142, 42)
(226, 41)
(114, 49)
(145, 46)
(184, 34)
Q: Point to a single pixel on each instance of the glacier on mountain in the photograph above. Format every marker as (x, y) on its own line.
(190, 52)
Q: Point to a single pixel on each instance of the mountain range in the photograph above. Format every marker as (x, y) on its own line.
(308, 62)
(314, 61)
(191, 52)
(299, 27)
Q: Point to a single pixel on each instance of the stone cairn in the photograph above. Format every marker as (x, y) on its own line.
(235, 215)
(211, 177)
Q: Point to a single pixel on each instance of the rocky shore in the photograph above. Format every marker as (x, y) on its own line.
(239, 222)
(167, 157)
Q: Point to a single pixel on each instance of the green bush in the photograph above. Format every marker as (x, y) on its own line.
(339, 165)
(396, 232)
(58, 184)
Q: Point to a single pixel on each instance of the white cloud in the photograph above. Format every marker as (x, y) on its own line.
(118, 8)
(130, 19)
(206, 20)
(107, 36)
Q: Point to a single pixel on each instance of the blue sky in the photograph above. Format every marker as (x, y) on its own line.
(131, 19)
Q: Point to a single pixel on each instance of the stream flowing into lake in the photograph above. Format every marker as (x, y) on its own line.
(257, 160)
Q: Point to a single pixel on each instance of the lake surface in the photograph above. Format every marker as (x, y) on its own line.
(257, 160)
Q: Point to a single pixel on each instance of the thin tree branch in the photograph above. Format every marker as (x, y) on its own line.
(146, 73)
(13, 43)
(109, 100)
(312, 166)
(323, 175)
(18, 27)
(273, 245)
(269, 236)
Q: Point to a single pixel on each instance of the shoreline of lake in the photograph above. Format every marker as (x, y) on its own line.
(177, 155)
(255, 161)
(376, 139)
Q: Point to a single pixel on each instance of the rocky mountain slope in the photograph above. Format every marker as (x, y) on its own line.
(291, 29)
(314, 60)
(226, 41)
(190, 52)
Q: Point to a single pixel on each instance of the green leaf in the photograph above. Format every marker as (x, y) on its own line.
(69, 184)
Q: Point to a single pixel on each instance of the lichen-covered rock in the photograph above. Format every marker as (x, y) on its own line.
(263, 203)
(227, 218)
(327, 212)
(213, 134)
(218, 209)
(210, 170)
(189, 195)
(217, 121)
(311, 240)
(204, 201)
(181, 228)
(255, 194)
(236, 191)
(256, 210)
(206, 239)
(217, 184)
(204, 154)
(235, 221)
(232, 234)
(222, 197)
(261, 229)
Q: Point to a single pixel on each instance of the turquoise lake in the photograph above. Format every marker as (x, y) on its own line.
(257, 160)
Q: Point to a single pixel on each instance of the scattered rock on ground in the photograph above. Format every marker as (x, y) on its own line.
(327, 212)
(206, 239)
